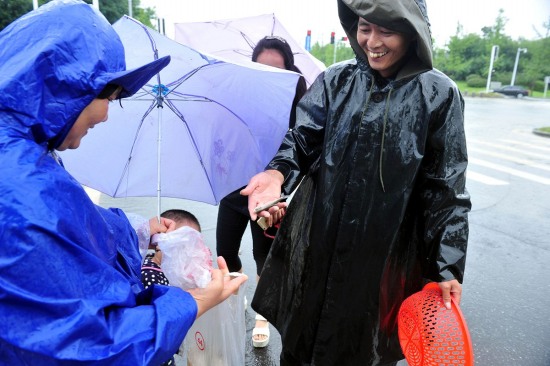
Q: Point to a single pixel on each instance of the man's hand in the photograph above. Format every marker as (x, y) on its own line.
(264, 187)
(450, 289)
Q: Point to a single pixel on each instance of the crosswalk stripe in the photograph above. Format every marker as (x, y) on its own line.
(510, 158)
(526, 144)
(511, 171)
(509, 148)
(482, 178)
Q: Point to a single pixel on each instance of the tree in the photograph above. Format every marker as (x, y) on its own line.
(115, 9)
(326, 53)
(465, 56)
(537, 66)
(496, 31)
(13, 9)
(112, 9)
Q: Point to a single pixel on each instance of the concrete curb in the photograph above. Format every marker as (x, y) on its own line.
(539, 132)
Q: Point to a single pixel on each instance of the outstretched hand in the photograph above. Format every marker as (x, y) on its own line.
(219, 289)
(450, 289)
(262, 188)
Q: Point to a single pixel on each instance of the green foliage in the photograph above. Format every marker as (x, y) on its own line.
(115, 9)
(326, 53)
(466, 57)
(13, 9)
(463, 56)
(538, 86)
(476, 81)
(470, 54)
(112, 9)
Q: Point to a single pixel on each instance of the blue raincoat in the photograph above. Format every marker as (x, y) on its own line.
(70, 291)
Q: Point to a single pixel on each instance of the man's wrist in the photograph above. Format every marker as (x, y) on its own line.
(276, 174)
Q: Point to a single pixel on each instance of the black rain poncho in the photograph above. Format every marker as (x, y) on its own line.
(383, 205)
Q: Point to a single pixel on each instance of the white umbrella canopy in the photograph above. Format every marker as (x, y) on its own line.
(198, 130)
(234, 39)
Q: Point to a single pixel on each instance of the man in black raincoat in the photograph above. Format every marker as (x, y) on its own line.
(382, 207)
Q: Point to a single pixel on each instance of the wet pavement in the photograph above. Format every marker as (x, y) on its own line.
(505, 293)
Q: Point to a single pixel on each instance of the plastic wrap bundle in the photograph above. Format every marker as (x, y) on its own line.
(186, 260)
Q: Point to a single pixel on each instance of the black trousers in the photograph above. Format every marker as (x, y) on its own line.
(233, 217)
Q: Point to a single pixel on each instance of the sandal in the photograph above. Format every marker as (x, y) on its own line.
(260, 331)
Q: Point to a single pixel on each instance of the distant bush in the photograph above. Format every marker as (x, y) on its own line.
(539, 86)
(475, 81)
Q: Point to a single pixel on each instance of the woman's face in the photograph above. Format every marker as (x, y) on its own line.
(271, 57)
(385, 48)
(94, 113)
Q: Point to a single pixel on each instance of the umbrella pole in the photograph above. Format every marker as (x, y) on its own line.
(159, 139)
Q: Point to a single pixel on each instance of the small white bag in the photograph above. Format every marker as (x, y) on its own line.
(218, 337)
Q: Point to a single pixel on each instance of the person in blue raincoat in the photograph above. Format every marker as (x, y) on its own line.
(70, 290)
(379, 154)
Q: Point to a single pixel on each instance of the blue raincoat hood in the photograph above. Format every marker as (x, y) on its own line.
(54, 68)
(70, 270)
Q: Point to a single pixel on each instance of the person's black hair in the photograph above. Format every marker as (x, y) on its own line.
(280, 45)
(301, 89)
(107, 91)
(275, 43)
(180, 216)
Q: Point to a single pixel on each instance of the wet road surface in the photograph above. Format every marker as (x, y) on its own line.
(505, 292)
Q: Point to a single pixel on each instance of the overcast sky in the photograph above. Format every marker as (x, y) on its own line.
(320, 16)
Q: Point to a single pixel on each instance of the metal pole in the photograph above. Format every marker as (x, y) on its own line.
(35, 4)
(516, 64)
(334, 55)
(159, 141)
(494, 54)
(95, 3)
(160, 106)
(130, 8)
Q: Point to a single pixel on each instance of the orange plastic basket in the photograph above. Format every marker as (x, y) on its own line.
(432, 335)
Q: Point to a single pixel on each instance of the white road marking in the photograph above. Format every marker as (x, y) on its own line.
(485, 179)
(509, 148)
(511, 171)
(511, 158)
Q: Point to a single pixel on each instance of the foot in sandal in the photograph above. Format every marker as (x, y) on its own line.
(260, 333)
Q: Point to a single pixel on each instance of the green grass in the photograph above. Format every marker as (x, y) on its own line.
(537, 94)
(465, 88)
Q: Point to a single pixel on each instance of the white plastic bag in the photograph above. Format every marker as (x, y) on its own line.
(186, 260)
(143, 231)
(218, 337)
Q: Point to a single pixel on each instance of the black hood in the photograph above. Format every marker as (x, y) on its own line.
(405, 16)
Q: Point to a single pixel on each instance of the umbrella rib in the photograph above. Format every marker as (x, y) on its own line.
(274, 23)
(151, 40)
(176, 83)
(206, 100)
(128, 161)
(195, 147)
